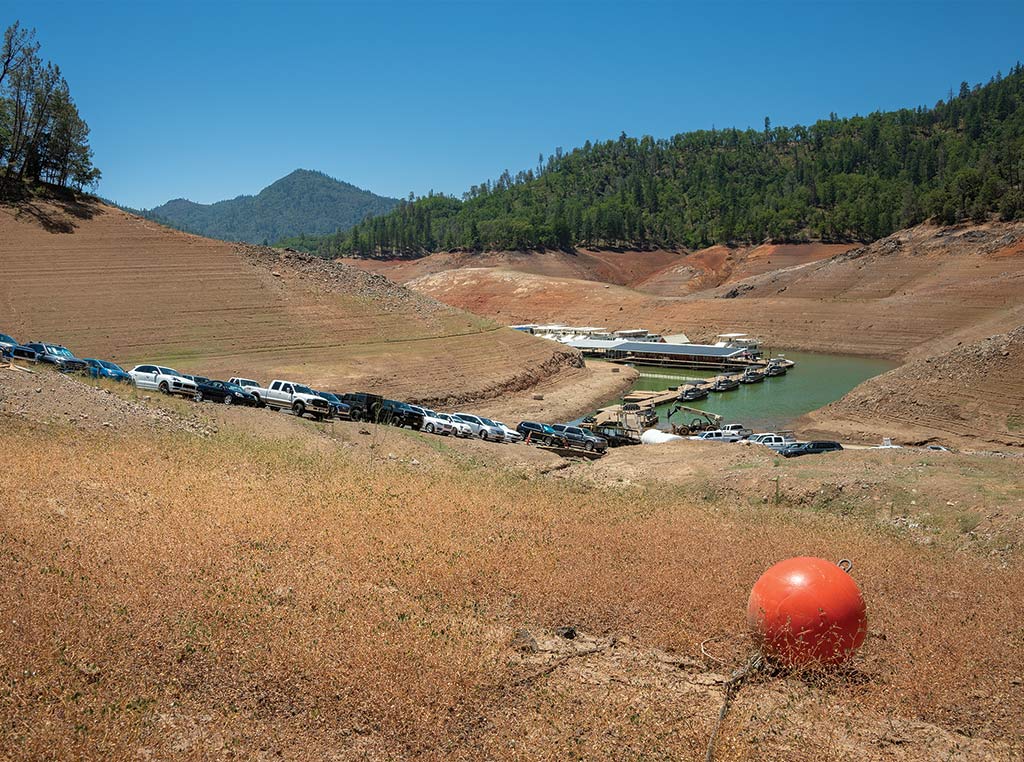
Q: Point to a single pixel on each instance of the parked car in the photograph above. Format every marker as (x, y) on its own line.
(245, 383)
(107, 369)
(481, 429)
(574, 436)
(433, 423)
(772, 441)
(7, 344)
(166, 380)
(339, 409)
(400, 414)
(289, 395)
(459, 428)
(223, 391)
(539, 433)
(363, 406)
(58, 355)
(810, 448)
(511, 435)
(21, 352)
(738, 429)
(937, 448)
(717, 435)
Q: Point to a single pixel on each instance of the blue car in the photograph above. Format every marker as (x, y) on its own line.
(7, 344)
(107, 369)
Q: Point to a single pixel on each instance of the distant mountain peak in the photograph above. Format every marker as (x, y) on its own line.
(305, 201)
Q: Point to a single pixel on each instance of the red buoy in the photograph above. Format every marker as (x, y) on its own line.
(807, 612)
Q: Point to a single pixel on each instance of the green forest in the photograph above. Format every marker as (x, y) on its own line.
(303, 201)
(42, 136)
(840, 179)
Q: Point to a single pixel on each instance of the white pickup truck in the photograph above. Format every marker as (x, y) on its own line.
(288, 395)
(773, 441)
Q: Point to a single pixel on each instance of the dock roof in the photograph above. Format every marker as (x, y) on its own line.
(651, 348)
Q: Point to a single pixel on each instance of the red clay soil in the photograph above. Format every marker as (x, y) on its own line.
(622, 267)
(111, 285)
(920, 291)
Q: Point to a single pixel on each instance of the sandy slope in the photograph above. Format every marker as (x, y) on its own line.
(112, 285)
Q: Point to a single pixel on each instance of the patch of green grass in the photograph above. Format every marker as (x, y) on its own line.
(1015, 422)
(968, 521)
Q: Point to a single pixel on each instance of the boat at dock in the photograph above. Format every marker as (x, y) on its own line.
(775, 369)
(693, 392)
(752, 376)
(725, 384)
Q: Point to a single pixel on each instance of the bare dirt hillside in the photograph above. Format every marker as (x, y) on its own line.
(719, 265)
(112, 285)
(661, 272)
(603, 265)
(975, 391)
(916, 292)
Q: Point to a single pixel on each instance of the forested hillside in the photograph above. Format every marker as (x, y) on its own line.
(302, 202)
(42, 136)
(857, 178)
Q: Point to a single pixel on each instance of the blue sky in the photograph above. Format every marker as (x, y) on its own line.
(211, 100)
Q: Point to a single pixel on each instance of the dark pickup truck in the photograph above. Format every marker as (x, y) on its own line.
(400, 414)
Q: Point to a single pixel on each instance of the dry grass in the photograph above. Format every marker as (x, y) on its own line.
(237, 597)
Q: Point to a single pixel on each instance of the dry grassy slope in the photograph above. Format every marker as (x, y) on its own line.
(975, 391)
(919, 290)
(281, 589)
(112, 285)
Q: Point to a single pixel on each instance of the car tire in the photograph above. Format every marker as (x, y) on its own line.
(483, 435)
(429, 428)
(588, 446)
(164, 388)
(198, 396)
(227, 399)
(298, 408)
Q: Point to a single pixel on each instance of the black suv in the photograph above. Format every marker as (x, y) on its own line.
(363, 406)
(538, 433)
(400, 414)
(58, 355)
(809, 448)
(577, 437)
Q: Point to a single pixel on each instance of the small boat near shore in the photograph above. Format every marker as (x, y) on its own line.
(752, 376)
(725, 384)
(775, 369)
(692, 392)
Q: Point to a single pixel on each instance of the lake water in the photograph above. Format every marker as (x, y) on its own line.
(817, 380)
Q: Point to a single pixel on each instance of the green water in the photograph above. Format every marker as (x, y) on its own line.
(817, 380)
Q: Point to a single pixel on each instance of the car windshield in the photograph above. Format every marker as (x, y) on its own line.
(169, 372)
(547, 429)
(235, 388)
(111, 366)
(247, 382)
(300, 389)
(59, 351)
(329, 396)
(7, 339)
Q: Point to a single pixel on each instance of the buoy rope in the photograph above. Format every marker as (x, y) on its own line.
(732, 686)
